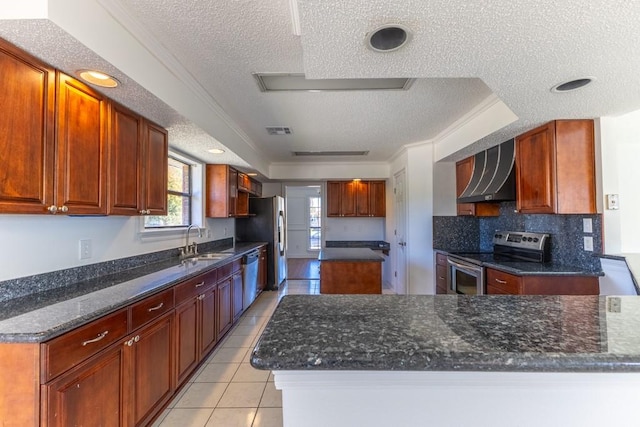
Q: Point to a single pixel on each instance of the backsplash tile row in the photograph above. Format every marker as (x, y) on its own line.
(454, 233)
(24, 286)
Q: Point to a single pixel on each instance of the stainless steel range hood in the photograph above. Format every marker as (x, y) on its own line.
(493, 178)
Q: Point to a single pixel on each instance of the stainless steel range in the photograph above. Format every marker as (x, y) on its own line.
(466, 273)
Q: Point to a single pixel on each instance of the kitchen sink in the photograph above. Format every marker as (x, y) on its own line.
(212, 256)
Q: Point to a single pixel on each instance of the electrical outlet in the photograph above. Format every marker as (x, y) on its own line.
(588, 243)
(587, 225)
(612, 202)
(85, 248)
(225, 231)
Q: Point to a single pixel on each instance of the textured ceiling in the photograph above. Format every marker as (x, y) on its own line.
(461, 53)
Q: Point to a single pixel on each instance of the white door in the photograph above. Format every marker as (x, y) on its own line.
(400, 243)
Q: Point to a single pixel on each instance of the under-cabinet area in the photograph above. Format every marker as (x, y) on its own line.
(122, 367)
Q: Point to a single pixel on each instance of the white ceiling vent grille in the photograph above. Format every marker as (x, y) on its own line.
(330, 153)
(279, 130)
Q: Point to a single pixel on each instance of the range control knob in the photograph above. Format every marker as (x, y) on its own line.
(535, 239)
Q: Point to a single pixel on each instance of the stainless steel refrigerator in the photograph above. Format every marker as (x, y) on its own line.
(266, 223)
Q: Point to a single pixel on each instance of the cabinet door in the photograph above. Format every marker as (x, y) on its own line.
(334, 197)
(186, 338)
(225, 311)
(125, 150)
(89, 395)
(81, 152)
(154, 166)
(151, 370)
(536, 171)
(262, 269)
(464, 170)
(237, 293)
(27, 122)
(349, 190)
(362, 198)
(208, 314)
(377, 198)
(233, 191)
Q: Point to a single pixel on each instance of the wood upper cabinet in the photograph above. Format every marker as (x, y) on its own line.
(464, 171)
(27, 138)
(355, 198)
(138, 165)
(81, 160)
(556, 168)
(223, 198)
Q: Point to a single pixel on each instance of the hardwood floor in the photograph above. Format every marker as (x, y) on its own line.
(303, 268)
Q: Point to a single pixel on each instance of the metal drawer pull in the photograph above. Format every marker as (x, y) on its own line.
(441, 278)
(157, 307)
(504, 282)
(199, 284)
(96, 339)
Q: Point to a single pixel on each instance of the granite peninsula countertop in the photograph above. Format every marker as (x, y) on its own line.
(349, 254)
(42, 316)
(452, 333)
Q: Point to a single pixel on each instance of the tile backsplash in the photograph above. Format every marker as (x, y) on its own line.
(471, 233)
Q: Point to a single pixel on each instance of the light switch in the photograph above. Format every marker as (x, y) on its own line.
(588, 243)
(85, 249)
(587, 225)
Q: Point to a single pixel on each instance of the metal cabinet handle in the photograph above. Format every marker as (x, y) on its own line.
(201, 297)
(96, 339)
(442, 278)
(199, 284)
(504, 282)
(157, 307)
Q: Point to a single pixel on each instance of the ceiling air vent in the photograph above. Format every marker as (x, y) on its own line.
(330, 153)
(278, 130)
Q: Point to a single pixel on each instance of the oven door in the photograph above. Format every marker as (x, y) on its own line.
(464, 278)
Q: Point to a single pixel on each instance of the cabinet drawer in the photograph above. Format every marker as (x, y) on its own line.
(150, 308)
(508, 283)
(441, 259)
(441, 276)
(68, 350)
(195, 286)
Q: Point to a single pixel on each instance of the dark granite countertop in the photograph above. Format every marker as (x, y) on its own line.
(452, 333)
(42, 316)
(522, 268)
(349, 254)
(371, 244)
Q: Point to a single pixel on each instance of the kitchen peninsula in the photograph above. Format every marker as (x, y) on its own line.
(350, 271)
(344, 360)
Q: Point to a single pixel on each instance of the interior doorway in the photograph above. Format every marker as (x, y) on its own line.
(400, 242)
(304, 226)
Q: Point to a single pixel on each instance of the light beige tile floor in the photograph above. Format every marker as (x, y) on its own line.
(227, 391)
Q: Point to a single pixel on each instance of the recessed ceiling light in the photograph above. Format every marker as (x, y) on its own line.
(252, 174)
(388, 38)
(572, 84)
(216, 151)
(98, 78)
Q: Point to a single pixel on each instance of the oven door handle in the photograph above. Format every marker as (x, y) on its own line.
(461, 266)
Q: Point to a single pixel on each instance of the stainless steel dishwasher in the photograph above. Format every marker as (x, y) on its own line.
(250, 277)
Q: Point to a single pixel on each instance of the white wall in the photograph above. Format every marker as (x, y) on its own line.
(33, 244)
(444, 189)
(620, 145)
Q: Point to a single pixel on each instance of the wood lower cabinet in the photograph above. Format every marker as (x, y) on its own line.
(138, 153)
(150, 368)
(441, 273)
(499, 282)
(464, 171)
(195, 322)
(27, 138)
(92, 394)
(262, 269)
(224, 305)
(238, 295)
(556, 168)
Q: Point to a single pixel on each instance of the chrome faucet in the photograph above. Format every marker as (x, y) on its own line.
(190, 249)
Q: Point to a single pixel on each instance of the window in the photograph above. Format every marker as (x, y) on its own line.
(315, 216)
(178, 198)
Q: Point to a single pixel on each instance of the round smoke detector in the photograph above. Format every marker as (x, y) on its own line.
(572, 84)
(388, 37)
